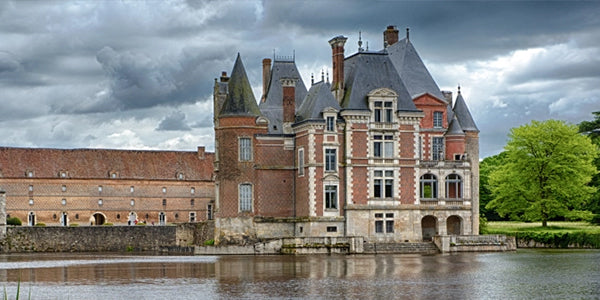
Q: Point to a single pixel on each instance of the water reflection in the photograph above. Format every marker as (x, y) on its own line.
(522, 275)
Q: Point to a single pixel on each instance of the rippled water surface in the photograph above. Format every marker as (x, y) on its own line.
(526, 274)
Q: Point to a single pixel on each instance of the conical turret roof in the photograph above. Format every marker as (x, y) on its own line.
(461, 111)
(240, 100)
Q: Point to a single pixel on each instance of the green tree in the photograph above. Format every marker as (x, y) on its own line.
(486, 167)
(545, 174)
(592, 129)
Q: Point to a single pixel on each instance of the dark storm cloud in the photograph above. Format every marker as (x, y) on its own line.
(174, 122)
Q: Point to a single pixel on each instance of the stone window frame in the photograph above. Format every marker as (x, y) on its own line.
(431, 180)
(382, 178)
(193, 217)
(382, 141)
(245, 149)
(245, 197)
(301, 162)
(336, 194)
(330, 157)
(437, 148)
(458, 183)
(384, 223)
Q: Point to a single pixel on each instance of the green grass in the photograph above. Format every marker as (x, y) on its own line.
(510, 227)
(556, 234)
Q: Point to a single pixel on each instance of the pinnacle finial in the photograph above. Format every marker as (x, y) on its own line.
(360, 48)
(459, 88)
(407, 32)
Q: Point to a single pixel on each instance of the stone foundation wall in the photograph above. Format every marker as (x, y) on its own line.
(104, 238)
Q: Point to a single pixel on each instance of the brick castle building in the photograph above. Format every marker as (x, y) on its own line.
(378, 152)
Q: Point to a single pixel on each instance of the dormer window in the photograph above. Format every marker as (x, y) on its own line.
(438, 118)
(383, 111)
(330, 123)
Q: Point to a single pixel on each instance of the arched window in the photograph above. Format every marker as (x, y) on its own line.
(429, 186)
(453, 186)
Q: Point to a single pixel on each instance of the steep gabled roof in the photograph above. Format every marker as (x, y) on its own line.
(319, 97)
(366, 71)
(462, 113)
(240, 100)
(272, 107)
(412, 70)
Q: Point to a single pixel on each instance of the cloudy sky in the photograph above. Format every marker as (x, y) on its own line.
(139, 75)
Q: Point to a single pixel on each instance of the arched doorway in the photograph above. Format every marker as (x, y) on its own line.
(99, 219)
(428, 226)
(31, 219)
(453, 225)
(64, 219)
(132, 218)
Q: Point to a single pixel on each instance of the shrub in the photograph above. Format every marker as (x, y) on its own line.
(483, 225)
(73, 225)
(13, 221)
(209, 243)
(108, 224)
(595, 219)
(40, 224)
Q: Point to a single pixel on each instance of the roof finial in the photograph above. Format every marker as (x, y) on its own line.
(312, 79)
(322, 75)
(407, 33)
(327, 76)
(360, 48)
(294, 57)
(367, 45)
(459, 88)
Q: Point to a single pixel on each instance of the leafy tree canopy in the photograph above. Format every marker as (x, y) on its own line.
(545, 173)
(592, 129)
(486, 167)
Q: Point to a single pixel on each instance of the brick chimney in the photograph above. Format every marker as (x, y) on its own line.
(289, 101)
(266, 76)
(224, 77)
(390, 36)
(337, 53)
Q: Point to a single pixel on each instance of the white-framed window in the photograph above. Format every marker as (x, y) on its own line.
(162, 218)
(99, 189)
(192, 190)
(383, 184)
(131, 189)
(31, 188)
(64, 188)
(383, 145)
(192, 217)
(245, 197)
(384, 223)
(164, 190)
(330, 160)
(383, 111)
(429, 186)
(331, 196)
(29, 173)
(301, 162)
(245, 149)
(438, 118)
(454, 186)
(330, 123)
(437, 148)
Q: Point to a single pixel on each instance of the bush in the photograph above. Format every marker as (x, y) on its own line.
(13, 221)
(73, 225)
(108, 224)
(483, 225)
(595, 219)
(209, 243)
(562, 239)
(40, 224)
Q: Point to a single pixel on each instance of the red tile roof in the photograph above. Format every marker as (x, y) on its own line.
(100, 163)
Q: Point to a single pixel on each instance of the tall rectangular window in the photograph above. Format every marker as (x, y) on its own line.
(300, 162)
(331, 197)
(438, 118)
(209, 212)
(387, 221)
(330, 160)
(383, 184)
(437, 148)
(245, 150)
(245, 197)
(330, 123)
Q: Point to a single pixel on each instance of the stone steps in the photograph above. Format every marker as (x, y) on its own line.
(401, 248)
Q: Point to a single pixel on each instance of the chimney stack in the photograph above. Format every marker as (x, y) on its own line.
(266, 77)
(224, 77)
(289, 102)
(337, 52)
(390, 36)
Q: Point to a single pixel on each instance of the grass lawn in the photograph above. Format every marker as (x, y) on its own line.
(508, 227)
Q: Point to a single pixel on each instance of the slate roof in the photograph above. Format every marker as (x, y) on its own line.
(98, 163)
(272, 107)
(412, 70)
(319, 97)
(366, 71)
(455, 128)
(462, 113)
(240, 100)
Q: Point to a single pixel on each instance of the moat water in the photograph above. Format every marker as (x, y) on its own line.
(525, 274)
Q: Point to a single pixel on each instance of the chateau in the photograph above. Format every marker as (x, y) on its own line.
(380, 152)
